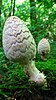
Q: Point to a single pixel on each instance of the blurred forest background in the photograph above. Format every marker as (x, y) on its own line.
(40, 18)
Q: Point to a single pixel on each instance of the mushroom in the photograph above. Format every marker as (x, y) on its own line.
(19, 46)
(43, 48)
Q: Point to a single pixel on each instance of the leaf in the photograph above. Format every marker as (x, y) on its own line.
(2, 73)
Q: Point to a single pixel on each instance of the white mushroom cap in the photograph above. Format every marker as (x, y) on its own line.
(43, 46)
(18, 43)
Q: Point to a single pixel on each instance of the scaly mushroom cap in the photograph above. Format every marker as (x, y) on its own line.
(18, 43)
(19, 46)
(43, 46)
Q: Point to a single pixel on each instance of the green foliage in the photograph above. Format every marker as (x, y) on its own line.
(13, 79)
(45, 17)
(22, 11)
(12, 76)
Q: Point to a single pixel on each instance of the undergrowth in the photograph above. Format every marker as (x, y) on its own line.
(14, 81)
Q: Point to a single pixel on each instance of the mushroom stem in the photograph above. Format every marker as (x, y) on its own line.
(34, 74)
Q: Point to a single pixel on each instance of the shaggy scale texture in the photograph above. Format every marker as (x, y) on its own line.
(18, 43)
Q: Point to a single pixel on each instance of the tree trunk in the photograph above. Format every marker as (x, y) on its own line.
(10, 13)
(14, 8)
(0, 24)
(0, 13)
(32, 14)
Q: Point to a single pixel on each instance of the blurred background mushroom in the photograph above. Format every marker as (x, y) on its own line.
(43, 48)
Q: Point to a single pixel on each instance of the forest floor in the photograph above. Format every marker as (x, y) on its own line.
(32, 92)
(39, 94)
(16, 86)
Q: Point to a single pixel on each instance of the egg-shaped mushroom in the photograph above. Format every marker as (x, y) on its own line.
(18, 43)
(19, 46)
(43, 48)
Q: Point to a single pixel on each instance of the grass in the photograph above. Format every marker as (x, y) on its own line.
(14, 81)
(50, 65)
